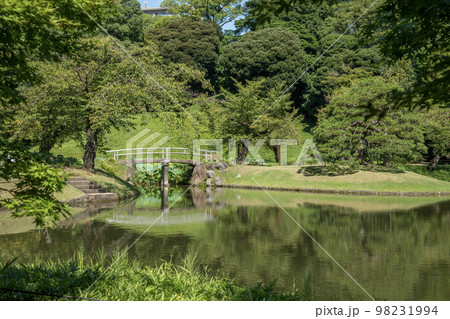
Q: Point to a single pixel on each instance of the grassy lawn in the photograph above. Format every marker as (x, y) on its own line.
(292, 177)
(69, 192)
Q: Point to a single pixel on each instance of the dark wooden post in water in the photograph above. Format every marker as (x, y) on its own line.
(164, 174)
(164, 198)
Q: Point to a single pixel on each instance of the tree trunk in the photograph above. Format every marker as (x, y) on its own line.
(434, 161)
(387, 161)
(45, 145)
(242, 154)
(90, 150)
(276, 151)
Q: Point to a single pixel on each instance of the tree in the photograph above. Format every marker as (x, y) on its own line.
(86, 95)
(31, 185)
(40, 30)
(49, 116)
(343, 134)
(128, 24)
(254, 113)
(218, 11)
(417, 30)
(194, 43)
(304, 19)
(332, 54)
(273, 54)
(437, 135)
(35, 30)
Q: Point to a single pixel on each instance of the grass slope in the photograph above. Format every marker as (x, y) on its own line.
(290, 177)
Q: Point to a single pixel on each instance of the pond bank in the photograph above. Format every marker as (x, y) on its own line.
(319, 180)
(336, 191)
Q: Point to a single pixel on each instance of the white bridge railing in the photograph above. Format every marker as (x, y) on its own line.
(165, 152)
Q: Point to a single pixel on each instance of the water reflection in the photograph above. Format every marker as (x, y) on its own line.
(397, 248)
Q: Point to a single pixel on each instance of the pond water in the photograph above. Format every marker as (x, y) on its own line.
(396, 248)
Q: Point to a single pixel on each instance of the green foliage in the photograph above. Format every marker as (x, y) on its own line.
(254, 113)
(180, 174)
(273, 54)
(416, 30)
(194, 43)
(441, 172)
(50, 116)
(343, 134)
(304, 19)
(127, 24)
(35, 185)
(127, 280)
(318, 26)
(40, 30)
(150, 179)
(100, 88)
(437, 132)
(217, 11)
(158, 21)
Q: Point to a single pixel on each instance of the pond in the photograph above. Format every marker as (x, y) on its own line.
(396, 248)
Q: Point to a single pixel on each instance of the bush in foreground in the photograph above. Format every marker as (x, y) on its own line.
(126, 280)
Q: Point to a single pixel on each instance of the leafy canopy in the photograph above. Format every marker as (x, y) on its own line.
(218, 11)
(273, 54)
(343, 134)
(257, 113)
(194, 43)
(417, 30)
(127, 24)
(40, 30)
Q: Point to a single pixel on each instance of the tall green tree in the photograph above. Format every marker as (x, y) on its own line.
(194, 43)
(35, 30)
(99, 88)
(127, 24)
(273, 54)
(332, 54)
(344, 135)
(50, 114)
(255, 113)
(40, 30)
(416, 30)
(437, 134)
(304, 19)
(217, 11)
